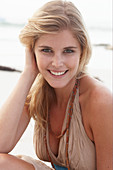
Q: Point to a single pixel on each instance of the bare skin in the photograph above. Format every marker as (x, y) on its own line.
(9, 162)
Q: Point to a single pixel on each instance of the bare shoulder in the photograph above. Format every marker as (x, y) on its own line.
(95, 99)
(94, 93)
(99, 97)
(97, 110)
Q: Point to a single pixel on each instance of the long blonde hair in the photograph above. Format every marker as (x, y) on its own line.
(53, 17)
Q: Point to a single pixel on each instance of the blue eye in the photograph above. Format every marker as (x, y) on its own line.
(68, 51)
(46, 50)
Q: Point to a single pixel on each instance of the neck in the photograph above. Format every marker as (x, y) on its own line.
(63, 94)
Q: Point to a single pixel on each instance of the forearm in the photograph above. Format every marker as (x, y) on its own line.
(11, 111)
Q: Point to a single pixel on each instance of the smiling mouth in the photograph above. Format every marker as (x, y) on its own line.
(58, 73)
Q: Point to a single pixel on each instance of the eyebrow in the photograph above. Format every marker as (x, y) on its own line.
(70, 47)
(51, 47)
(43, 46)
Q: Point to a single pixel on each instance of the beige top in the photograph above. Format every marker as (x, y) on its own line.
(81, 149)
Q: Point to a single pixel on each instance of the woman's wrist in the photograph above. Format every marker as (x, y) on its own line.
(28, 75)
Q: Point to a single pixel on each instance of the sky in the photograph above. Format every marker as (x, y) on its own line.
(19, 11)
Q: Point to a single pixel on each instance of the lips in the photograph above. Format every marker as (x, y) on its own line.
(58, 73)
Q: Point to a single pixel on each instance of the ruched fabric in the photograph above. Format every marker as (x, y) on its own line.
(81, 149)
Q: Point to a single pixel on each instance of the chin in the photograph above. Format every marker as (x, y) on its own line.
(58, 85)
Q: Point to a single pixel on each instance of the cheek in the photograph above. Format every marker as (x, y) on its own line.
(42, 64)
(75, 62)
(39, 63)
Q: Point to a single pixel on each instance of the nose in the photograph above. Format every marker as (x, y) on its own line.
(57, 60)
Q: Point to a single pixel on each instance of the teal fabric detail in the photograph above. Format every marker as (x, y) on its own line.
(59, 167)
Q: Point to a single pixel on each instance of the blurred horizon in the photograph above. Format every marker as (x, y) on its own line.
(95, 13)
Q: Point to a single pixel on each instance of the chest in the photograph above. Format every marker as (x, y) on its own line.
(56, 121)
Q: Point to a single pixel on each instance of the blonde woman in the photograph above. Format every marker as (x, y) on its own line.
(72, 110)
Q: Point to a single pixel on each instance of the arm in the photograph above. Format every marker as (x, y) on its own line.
(101, 123)
(14, 116)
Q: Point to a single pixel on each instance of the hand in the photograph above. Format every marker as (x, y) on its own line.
(30, 62)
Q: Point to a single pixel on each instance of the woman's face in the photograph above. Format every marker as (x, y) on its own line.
(58, 58)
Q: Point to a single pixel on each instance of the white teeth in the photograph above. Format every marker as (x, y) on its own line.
(57, 73)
